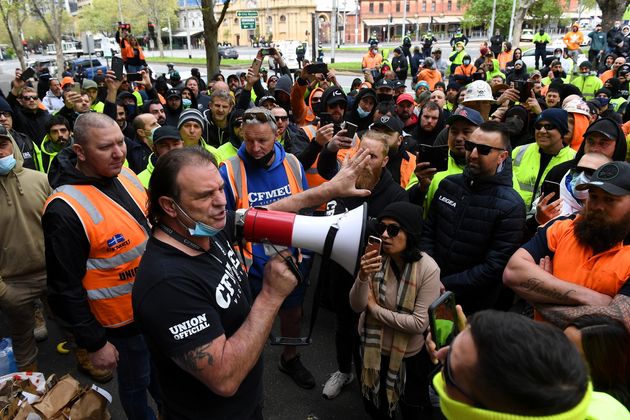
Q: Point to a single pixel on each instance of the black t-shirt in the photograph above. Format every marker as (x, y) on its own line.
(182, 302)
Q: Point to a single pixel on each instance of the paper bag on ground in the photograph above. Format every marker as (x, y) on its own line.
(58, 397)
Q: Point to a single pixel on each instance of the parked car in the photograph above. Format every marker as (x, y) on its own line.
(89, 67)
(227, 52)
(527, 35)
(529, 58)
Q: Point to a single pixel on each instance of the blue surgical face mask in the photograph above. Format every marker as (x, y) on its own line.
(200, 229)
(7, 163)
(362, 113)
(187, 103)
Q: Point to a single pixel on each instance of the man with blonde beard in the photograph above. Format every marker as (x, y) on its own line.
(376, 178)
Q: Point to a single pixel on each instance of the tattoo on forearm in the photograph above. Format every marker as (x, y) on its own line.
(195, 360)
(562, 316)
(535, 285)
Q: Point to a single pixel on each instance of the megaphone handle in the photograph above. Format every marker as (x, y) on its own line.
(294, 269)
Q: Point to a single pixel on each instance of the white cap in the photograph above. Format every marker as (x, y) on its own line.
(577, 106)
(478, 91)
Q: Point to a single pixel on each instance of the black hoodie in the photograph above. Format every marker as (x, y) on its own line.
(68, 248)
(353, 116)
(428, 137)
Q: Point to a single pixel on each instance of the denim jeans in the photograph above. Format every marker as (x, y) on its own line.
(136, 374)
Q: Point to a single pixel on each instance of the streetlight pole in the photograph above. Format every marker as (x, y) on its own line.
(333, 31)
(188, 33)
(356, 23)
(512, 20)
(404, 19)
(494, 13)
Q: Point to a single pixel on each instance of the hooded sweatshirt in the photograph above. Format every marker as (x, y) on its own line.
(68, 248)
(230, 148)
(52, 103)
(352, 114)
(428, 137)
(24, 192)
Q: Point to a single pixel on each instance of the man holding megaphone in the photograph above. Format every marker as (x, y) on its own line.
(191, 298)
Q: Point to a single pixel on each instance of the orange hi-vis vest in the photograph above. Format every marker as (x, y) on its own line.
(117, 242)
(237, 177)
(313, 177)
(406, 169)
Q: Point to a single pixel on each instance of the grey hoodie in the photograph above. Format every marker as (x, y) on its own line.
(24, 192)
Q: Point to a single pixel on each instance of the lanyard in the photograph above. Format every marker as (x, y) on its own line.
(170, 232)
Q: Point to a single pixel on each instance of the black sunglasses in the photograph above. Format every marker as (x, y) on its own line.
(282, 117)
(392, 230)
(588, 171)
(482, 149)
(547, 127)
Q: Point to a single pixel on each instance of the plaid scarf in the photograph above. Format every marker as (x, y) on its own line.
(373, 335)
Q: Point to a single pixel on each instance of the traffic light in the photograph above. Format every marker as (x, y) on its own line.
(151, 27)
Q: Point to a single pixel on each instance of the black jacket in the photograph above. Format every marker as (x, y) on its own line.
(353, 116)
(400, 62)
(27, 148)
(214, 135)
(137, 154)
(473, 228)
(68, 248)
(33, 124)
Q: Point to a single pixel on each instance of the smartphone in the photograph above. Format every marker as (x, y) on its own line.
(324, 119)
(117, 67)
(549, 187)
(268, 51)
(437, 156)
(524, 89)
(256, 64)
(28, 73)
(316, 68)
(374, 244)
(350, 128)
(134, 77)
(443, 320)
(76, 87)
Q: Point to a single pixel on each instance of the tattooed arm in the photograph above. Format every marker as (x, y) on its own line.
(223, 363)
(562, 316)
(534, 284)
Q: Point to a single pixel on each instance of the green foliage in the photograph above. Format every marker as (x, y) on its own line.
(479, 12)
(544, 11)
(101, 16)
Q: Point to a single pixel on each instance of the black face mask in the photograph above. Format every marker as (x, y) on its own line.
(541, 32)
(263, 161)
(384, 97)
(317, 107)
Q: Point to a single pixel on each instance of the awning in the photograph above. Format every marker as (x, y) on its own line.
(184, 34)
(375, 22)
(396, 21)
(448, 19)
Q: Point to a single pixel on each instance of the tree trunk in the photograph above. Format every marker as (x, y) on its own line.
(16, 42)
(612, 10)
(210, 31)
(522, 7)
(158, 34)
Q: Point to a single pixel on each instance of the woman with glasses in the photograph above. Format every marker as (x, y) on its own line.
(393, 292)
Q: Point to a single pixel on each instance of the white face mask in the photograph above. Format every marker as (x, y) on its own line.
(579, 179)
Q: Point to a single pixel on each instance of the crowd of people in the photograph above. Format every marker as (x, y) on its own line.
(508, 186)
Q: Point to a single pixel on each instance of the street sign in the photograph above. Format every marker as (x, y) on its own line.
(248, 13)
(248, 23)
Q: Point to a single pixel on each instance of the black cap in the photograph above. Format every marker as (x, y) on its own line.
(390, 123)
(605, 127)
(173, 93)
(623, 69)
(398, 84)
(336, 95)
(166, 132)
(587, 64)
(4, 132)
(613, 177)
(384, 83)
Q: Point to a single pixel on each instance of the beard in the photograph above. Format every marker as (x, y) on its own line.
(594, 229)
(368, 178)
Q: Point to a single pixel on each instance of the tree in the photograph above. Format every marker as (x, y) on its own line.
(210, 31)
(99, 16)
(544, 12)
(51, 14)
(478, 13)
(522, 7)
(13, 16)
(612, 10)
(157, 11)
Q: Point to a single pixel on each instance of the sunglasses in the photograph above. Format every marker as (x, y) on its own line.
(29, 98)
(282, 118)
(588, 171)
(392, 230)
(547, 127)
(482, 149)
(5, 114)
(262, 117)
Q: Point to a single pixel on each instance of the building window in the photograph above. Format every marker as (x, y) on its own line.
(433, 6)
(283, 19)
(449, 5)
(236, 21)
(380, 7)
(398, 6)
(371, 8)
(424, 6)
(407, 5)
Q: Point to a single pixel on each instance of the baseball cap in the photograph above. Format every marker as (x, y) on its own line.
(466, 114)
(67, 81)
(398, 84)
(267, 98)
(612, 177)
(89, 84)
(175, 76)
(335, 95)
(404, 97)
(623, 69)
(172, 93)
(166, 132)
(605, 127)
(384, 83)
(4, 132)
(392, 123)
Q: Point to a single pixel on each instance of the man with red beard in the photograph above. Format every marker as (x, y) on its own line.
(583, 259)
(384, 190)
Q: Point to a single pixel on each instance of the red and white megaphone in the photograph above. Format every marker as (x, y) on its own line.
(339, 237)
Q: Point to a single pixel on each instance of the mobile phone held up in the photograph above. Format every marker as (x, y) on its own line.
(317, 68)
(117, 67)
(443, 320)
(134, 77)
(27, 73)
(268, 51)
(374, 244)
(437, 156)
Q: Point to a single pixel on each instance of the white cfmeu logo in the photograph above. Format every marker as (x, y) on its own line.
(447, 201)
(189, 327)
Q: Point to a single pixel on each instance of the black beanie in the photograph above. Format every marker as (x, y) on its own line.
(408, 216)
(4, 106)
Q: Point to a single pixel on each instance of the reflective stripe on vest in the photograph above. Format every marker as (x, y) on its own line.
(117, 243)
(313, 177)
(237, 178)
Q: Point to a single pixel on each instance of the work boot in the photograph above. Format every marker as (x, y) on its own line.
(85, 366)
(296, 370)
(40, 331)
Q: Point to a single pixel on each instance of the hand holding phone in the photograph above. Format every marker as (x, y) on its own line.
(374, 244)
(27, 74)
(351, 129)
(373, 264)
(443, 320)
(117, 67)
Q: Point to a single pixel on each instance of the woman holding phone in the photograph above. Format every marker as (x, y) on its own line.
(393, 292)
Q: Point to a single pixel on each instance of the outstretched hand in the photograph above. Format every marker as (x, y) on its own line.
(344, 183)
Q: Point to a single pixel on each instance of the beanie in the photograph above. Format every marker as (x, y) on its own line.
(557, 117)
(407, 215)
(191, 114)
(284, 84)
(4, 106)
